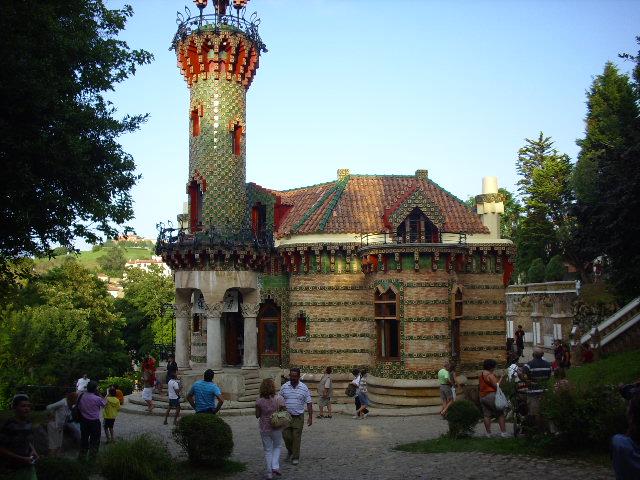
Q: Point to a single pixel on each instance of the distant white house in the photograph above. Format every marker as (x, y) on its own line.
(145, 265)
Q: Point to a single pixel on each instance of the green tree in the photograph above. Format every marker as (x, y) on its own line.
(58, 326)
(545, 188)
(58, 133)
(145, 308)
(555, 269)
(512, 216)
(535, 273)
(607, 177)
(113, 261)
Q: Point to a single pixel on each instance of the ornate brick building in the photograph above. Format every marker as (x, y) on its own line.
(391, 272)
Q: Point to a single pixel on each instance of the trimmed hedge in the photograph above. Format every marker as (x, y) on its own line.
(462, 417)
(140, 458)
(205, 438)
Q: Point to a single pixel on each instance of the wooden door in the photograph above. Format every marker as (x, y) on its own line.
(269, 335)
(234, 338)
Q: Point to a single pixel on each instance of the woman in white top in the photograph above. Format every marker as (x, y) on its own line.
(59, 413)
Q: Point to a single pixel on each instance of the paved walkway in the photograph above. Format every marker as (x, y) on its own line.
(343, 448)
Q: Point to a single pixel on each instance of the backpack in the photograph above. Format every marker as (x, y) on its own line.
(76, 416)
(350, 391)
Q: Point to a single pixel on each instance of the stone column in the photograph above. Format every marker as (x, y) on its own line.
(214, 338)
(250, 358)
(183, 317)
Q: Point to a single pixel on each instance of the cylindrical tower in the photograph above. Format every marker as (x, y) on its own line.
(218, 55)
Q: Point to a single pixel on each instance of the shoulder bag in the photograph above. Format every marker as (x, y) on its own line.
(76, 416)
(350, 391)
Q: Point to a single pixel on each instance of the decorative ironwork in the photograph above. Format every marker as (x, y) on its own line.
(212, 237)
(224, 17)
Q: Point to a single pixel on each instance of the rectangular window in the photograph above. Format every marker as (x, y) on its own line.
(195, 122)
(387, 325)
(301, 326)
(237, 139)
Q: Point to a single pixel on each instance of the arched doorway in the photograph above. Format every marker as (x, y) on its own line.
(269, 335)
(233, 325)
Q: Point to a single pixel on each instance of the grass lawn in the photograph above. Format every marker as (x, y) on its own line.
(612, 370)
(502, 446)
(89, 259)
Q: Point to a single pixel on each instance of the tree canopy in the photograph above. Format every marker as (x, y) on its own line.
(65, 174)
(607, 177)
(145, 308)
(545, 188)
(58, 326)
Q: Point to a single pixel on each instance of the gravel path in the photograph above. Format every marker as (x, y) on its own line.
(343, 448)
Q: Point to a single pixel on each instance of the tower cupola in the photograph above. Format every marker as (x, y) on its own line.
(218, 53)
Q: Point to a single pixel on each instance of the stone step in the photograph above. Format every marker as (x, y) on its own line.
(184, 405)
(248, 398)
(253, 381)
(160, 412)
(251, 391)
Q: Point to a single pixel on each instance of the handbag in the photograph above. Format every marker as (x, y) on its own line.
(76, 416)
(501, 402)
(280, 419)
(350, 391)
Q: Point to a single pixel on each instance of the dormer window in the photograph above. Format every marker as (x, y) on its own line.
(417, 228)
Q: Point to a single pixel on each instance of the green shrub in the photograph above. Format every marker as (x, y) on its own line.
(125, 384)
(60, 468)
(555, 269)
(584, 417)
(140, 458)
(535, 274)
(462, 418)
(615, 369)
(206, 439)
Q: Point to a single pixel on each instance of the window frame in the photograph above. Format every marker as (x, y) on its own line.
(384, 324)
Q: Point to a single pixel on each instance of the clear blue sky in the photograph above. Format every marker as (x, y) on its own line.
(381, 87)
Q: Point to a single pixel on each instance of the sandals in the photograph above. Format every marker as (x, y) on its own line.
(320, 416)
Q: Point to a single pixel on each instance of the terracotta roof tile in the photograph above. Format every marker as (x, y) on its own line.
(357, 205)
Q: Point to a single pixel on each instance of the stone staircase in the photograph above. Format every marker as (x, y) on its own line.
(252, 382)
(619, 332)
(244, 405)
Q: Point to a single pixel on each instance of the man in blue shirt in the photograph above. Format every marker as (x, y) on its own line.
(203, 394)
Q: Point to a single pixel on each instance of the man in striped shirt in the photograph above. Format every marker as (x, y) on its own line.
(296, 396)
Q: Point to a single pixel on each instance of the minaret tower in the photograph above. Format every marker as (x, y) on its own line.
(218, 54)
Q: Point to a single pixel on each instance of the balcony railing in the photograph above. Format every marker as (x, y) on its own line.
(170, 237)
(394, 239)
(188, 24)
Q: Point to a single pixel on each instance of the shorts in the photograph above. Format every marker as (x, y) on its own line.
(324, 402)
(488, 404)
(108, 422)
(147, 393)
(446, 394)
(364, 398)
(174, 403)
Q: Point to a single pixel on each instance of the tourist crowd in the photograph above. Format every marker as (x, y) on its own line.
(281, 415)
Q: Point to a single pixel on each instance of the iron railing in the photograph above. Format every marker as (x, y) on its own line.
(224, 238)
(188, 24)
(385, 238)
